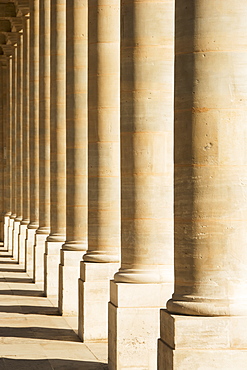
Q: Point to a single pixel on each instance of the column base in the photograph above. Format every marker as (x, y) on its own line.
(38, 259)
(193, 342)
(5, 230)
(134, 324)
(15, 234)
(51, 269)
(10, 232)
(21, 244)
(29, 243)
(69, 273)
(94, 295)
(1, 228)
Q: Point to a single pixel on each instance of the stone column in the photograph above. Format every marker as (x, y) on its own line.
(13, 154)
(44, 142)
(19, 144)
(3, 144)
(210, 190)
(9, 241)
(25, 148)
(76, 155)
(7, 152)
(4, 191)
(144, 281)
(57, 148)
(102, 258)
(6, 185)
(33, 132)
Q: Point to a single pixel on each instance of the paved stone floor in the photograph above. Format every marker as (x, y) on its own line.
(32, 334)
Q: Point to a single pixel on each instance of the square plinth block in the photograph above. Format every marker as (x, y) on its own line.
(15, 234)
(134, 324)
(38, 259)
(10, 232)
(21, 244)
(51, 269)
(196, 342)
(6, 234)
(29, 243)
(69, 274)
(94, 295)
(2, 229)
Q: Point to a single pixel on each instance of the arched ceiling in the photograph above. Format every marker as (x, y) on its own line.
(11, 21)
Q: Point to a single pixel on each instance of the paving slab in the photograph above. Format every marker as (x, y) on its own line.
(32, 333)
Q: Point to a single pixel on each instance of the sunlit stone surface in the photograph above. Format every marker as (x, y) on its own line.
(114, 158)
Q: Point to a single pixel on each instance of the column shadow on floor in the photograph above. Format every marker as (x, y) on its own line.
(16, 280)
(31, 310)
(11, 270)
(27, 293)
(49, 364)
(41, 333)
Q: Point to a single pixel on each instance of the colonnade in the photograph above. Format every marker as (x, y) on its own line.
(87, 116)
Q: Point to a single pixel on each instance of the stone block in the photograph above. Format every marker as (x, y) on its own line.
(51, 269)
(10, 231)
(133, 334)
(136, 295)
(38, 258)
(69, 273)
(134, 324)
(198, 342)
(29, 243)
(21, 244)
(15, 233)
(94, 295)
(6, 234)
(1, 229)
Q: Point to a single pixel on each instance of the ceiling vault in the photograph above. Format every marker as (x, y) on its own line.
(11, 24)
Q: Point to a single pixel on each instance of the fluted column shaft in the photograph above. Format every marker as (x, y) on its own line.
(5, 134)
(104, 132)
(3, 149)
(25, 123)
(7, 128)
(102, 258)
(210, 159)
(58, 122)
(76, 125)
(9, 148)
(34, 114)
(146, 142)
(8, 239)
(6, 152)
(13, 136)
(19, 130)
(44, 118)
(23, 234)
(4, 142)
